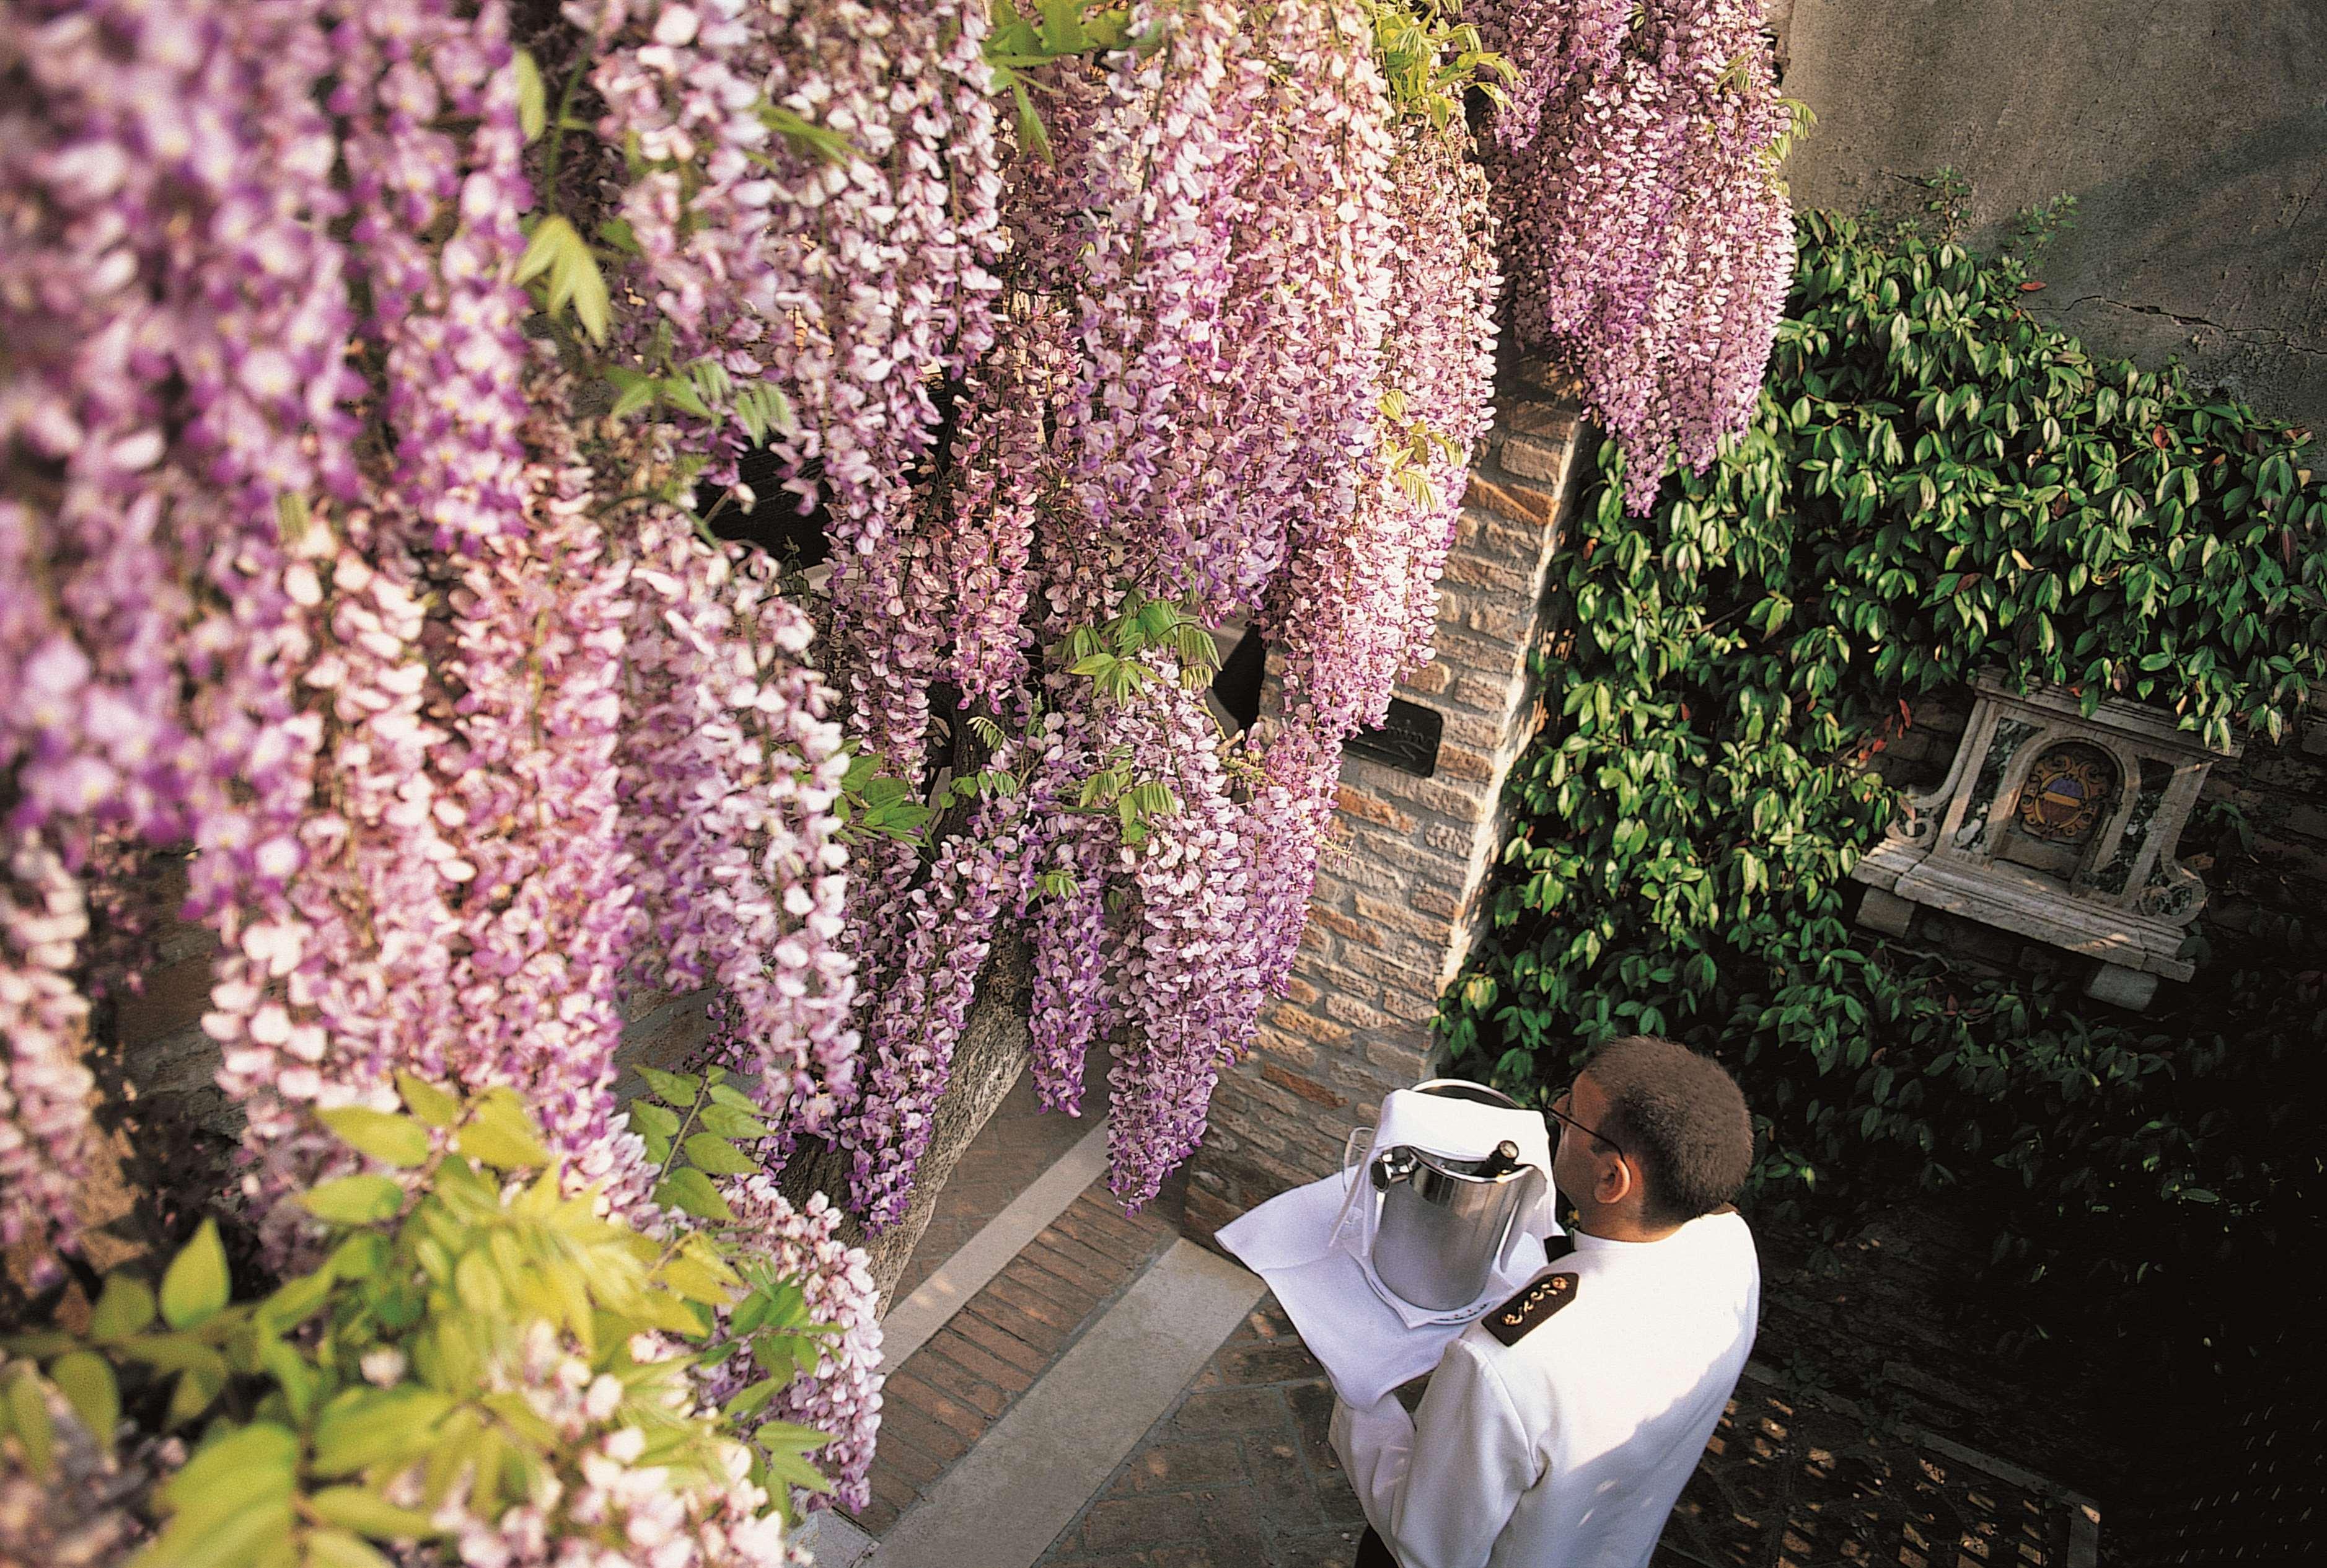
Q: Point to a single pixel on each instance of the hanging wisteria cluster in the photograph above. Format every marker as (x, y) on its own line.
(318, 568)
(360, 370)
(1196, 407)
(1650, 243)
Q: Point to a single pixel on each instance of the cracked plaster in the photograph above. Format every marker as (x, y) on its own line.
(2194, 135)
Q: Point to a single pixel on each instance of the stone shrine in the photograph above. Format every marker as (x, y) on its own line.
(2060, 826)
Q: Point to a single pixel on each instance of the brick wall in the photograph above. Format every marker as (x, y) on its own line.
(1399, 896)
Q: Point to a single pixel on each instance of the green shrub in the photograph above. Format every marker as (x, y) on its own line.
(474, 1340)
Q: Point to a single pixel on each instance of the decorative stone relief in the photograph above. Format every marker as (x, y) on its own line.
(2058, 826)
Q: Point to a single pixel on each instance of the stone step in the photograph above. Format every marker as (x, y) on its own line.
(910, 1324)
(982, 1360)
(1027, 1362)
(1030, 1474)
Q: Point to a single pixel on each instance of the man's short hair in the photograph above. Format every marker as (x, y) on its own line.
(1680, 1118)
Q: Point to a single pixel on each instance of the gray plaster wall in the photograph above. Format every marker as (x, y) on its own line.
(2192, 133)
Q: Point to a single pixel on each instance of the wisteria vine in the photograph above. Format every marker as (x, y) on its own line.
(361, 366)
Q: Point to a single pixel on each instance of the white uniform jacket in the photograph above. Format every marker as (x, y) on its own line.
(1569, 1448)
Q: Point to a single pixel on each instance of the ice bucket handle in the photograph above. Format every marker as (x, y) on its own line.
(1354, 1150)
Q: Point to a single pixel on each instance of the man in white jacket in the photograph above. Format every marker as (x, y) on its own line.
(1559, 1429)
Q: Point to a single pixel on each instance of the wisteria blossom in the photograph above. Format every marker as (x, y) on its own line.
(841, 1395)
(1202, 310)
(177, 321)
(1648, 244)
(360, 371)
(610, 1485)
(44, 1088)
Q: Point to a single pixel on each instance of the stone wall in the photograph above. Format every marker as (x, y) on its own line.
(1398, 897)
(2193, 137)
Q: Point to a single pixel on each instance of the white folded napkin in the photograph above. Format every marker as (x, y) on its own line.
(1364, 1343)
(1313, 1245)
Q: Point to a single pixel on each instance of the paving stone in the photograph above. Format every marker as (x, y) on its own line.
(1106, 1234)
(1010, 1290)
(932, 1438)
(1320, 1549)
(1084, 1270)
(1054, 1243)
(1242, 1476)
(895, 1456)
(952, 1390)
(950, 1378)
(1139, 1521)
(1229, 1410)
(1069, 1295)
(1187, 1557)
(917, 1393)
(957, 1349)
(1237, 1531)
(997, 1341)
(1252, 1364)
(1171, 1467)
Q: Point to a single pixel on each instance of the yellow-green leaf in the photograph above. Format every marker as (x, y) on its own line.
(199, 1385)
(123, 1309)
(646, 1116)
(593, 306)
(427, 1101)
(259, 1460)
(719, 1157)
(28, 1418)
(690, 1192)
(502, 1135)
(361, 1509)
(342, 1549)
(367, 1426)
(551, 236)
(390, 1139)
(239, 1539)
(294, 1299)
(355, 1201)
(682, 1089)
(729, 1123)
(532, 101)
(194, 1288)
(86, 1381)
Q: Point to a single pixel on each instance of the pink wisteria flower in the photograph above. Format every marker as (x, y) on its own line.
(1648, 243)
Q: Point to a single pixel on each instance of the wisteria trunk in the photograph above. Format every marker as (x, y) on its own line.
(992, 1052)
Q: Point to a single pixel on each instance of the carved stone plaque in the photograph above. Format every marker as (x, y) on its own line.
(2059, 826)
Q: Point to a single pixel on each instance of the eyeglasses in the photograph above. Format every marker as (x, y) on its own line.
(1566, 1096)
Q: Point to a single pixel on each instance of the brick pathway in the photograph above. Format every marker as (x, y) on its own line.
(1018, 1143)
(1784, 1485)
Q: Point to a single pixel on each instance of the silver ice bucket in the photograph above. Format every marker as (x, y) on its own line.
(1444, 1219)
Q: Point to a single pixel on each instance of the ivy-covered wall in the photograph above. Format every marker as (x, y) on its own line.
(1936, 484)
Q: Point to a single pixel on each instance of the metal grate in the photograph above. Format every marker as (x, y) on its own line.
(1784, 1485)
